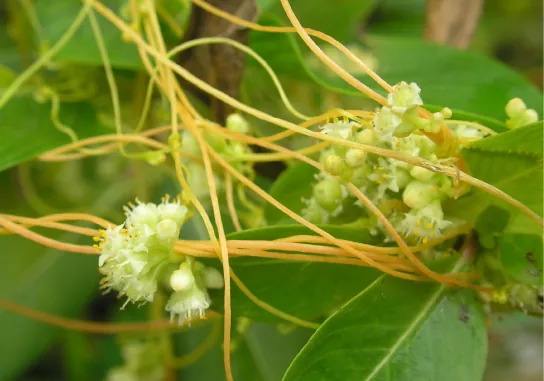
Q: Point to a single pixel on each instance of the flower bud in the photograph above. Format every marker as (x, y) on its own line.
(236, 123)
(314, 213)
(515, 107)
(167, 231)
(446, 113)
(212, 278)
(355, 157)
(421, 174)
(182, 279)
(359, 177)
(365, 137)
(417, 195)
(334, 164)
(328, 194)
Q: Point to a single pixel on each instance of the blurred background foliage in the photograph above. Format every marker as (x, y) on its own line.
(510, 31)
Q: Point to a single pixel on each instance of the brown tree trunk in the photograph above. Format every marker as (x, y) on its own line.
(452, 22)
(219, 65)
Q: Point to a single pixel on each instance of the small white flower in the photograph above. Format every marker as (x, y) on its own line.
(425, 223)
(466, 132)
(342, 129)
(173, 211)
(404, 96)
(187, 305)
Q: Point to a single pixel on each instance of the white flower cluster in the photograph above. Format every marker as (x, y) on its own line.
(132, 254)
(143, 362)
(135, 257)
(421, 191)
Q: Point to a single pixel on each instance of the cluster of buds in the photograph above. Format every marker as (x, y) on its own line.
(231, 150)
(420, 192)
(518, 114)
(142, 361)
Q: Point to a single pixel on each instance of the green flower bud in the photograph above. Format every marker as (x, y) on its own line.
(417, 195)
(334, 164)
(402, 177)
(155, 157)
(446, 112)
(328, 194)
(236, 123)
(355, 157)
(421, 174)
(216, 141)
(182, 279)
(359, 177)
(314, 213)
(212, 277)
(519, 115)
(365, 137)
(515, 107)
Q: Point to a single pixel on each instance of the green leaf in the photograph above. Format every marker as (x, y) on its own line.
(273, 350)
(57, 16)
(27, 130)
(45, 280)
(9, 56)
(337, 19)
(490, 224)
(448, 77)
(521, 256)
(262, 353)
(294, 184)
(305, 290)
(508, 161)
(398, 330)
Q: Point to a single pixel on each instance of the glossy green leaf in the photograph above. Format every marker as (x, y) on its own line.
(9, 56)
(398, 330)
(294, 184)
(305, 290)
(448, 77)
(261, 353)
(491, 224)
(46, 280)
(508, 161)
(521, 256)
(27, 130)
(337, 19)
(57, 16)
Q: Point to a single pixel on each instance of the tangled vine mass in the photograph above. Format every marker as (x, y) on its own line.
(393, 172)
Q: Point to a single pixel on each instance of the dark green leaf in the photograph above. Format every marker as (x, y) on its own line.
(273, 350)
(448, 77)
(521, 256)
(290, 188)
(305, 290)
(27, 130)
(397, 330)
(337, 19)
(46, 280)
(508, 161)
(57, 16)
(490, 224)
